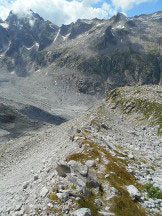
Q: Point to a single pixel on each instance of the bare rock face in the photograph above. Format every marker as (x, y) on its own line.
(31, 29)
(4, 37)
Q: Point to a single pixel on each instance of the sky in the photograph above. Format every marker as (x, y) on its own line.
(67, 11)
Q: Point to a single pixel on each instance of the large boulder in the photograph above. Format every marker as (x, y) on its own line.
(62, 169)
(77, 167)
(133, 192)
(82, 212)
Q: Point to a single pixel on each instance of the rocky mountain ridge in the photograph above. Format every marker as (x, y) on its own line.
(96, 54)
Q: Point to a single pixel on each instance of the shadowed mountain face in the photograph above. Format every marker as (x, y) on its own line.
(40, 115)
(92, 55)
(16, 121)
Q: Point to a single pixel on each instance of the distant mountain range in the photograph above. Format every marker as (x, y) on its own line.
(90, 55)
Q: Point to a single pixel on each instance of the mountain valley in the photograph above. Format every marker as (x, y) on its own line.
(81, 116)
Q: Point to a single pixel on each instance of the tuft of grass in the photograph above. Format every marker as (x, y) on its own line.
(89, 202)
(56, 211)
(153, 192)
(123, 205)
(55, 198)
(73, 187)
(78, 157)
(87, 155)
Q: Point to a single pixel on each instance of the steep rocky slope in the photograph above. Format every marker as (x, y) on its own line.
(104, 161)
(16, 119)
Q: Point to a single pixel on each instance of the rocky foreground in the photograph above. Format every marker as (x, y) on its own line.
(105, 162)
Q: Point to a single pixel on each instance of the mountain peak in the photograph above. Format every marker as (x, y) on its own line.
(23, 16)
(119, 17)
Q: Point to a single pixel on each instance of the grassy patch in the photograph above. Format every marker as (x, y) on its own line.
(73, 187)
(89, 202)
(153, 192)
(56, 211)
(87, 155)
(152, 111)
(55, 198)
(122, 205)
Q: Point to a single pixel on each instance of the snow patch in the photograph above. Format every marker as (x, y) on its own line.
(35, 45)
(51, 26)
(4, 25)
(120, 27)
(2, 55)
(31, 22)
(65, 37)
(87, 21)
(8, 47)
(57, 35)
(99, 24)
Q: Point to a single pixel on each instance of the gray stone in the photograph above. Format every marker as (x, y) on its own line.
(92, 182)
(66, 210)
(80, 144)
(25, 185)
(35, 177)
(44, 192)
(133, 192)
(63, 196)
(102, 213)
(78, 130)
(107, 176)
(50, 205)
(82, 212)
(98, 202)
(130, 156)
(18, 207)
(77, 181)
(77, 167)
(85, 191)
(62, 169)
(114, 190)
(90, 163)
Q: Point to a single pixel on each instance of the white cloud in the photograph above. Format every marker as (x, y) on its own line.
(126, 5)
(59, 11)
(107, 7)
(91, 2)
